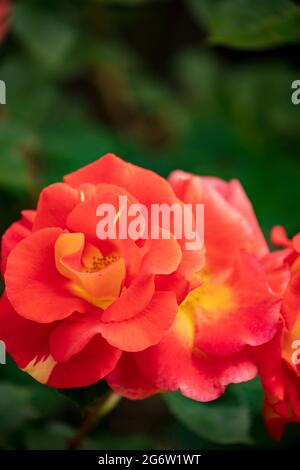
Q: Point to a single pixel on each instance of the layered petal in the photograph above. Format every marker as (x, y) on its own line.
(276, 267)
(242, 302)
(134, 334)
(14, 234)
(93, 363)
(84, 219)
(270, 366)
(54, 205)
(278, 412)
(132, 300)
(291, 300)
(230, 224)
(26, 341)
(28, 344)
(175, 364)
(94, 277)
(128, 380)
(162, 256)
(34, 286)
(146, 328)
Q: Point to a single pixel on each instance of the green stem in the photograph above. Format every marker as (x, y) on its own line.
(94, 414)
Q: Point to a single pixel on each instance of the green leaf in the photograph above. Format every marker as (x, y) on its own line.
(47, 400)
(224, 421)
(15, 410)
(47, 36)
(51, 437)
(30, 96)
(14, 143)
(249, 24)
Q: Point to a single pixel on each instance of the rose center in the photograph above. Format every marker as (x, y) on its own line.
(92, 276)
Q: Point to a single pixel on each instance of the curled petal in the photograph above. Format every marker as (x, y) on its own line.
(132, 301)
(55, 203)
(163, 257)
(15, 233)
(146, 328)
(34, 286)
(134, 334)
(93, 363)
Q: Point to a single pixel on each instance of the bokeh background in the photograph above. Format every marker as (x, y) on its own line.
(202, 85)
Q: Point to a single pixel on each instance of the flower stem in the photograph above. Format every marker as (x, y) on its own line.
(94, 414)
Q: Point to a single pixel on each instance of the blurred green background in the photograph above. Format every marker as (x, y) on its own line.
(201, 85)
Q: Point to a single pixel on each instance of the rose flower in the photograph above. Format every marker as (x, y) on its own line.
(279, 361)
(74, 303)
(221, 323)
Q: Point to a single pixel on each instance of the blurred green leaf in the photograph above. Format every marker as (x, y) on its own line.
(76, 141)
(254, 97)
(199, 74)
(47, 400)
(55, 435)
(51, 437)
(16, 409)
(249, 24)
(14, 171)
(46, 35)
(30, 93)
(225, 421)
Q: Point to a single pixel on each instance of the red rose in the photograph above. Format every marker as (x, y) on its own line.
(279, 361)
(73, 304)
(220, 323)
